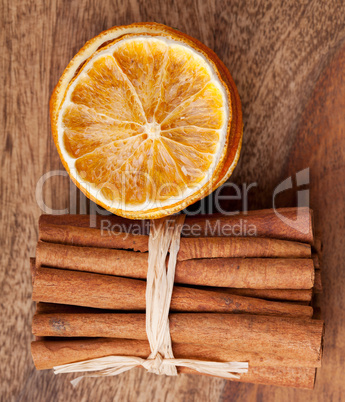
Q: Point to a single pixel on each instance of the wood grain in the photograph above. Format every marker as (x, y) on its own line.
(276, 53)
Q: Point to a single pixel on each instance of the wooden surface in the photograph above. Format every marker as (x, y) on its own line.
(276, 53)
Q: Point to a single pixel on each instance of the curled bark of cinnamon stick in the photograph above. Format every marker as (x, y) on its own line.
(117, 293)
(292, 342)
(246, 247)
(265, 223)
(262, 223)
(255, 273)
(203, 247)
(50, 353)
(80, 236)
(293, 295)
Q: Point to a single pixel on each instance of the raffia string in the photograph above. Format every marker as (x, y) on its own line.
(164, 237)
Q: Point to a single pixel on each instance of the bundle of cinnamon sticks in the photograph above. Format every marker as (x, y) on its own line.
(237, 298)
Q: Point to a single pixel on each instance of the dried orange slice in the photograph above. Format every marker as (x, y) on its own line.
(146, 120)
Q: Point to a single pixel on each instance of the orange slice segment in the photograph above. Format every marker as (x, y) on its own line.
(86, 130)
(94, 168)
(190, 163)
(135, 175)
(168, 180)
(204, 109)
(184, 76)
(105, 89)
(202, 139)
(146, 72)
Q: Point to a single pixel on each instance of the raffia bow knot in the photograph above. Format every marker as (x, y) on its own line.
(155, 365)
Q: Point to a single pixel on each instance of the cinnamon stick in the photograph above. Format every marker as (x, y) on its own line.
(213, 247)
(50, 353)
(292, 342)
(81, 236)
(203, 247)
(301, 295)
(55, 351)
(257, 273)
(117, 293)
(262, 223)
(293, 295)
(247, 273)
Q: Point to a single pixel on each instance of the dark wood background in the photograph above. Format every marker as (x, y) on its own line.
(288, 60)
